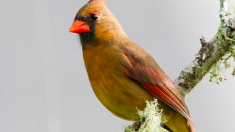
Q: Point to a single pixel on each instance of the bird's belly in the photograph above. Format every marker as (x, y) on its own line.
(120, 95)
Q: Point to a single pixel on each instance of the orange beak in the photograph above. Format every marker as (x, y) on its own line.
(79, 27)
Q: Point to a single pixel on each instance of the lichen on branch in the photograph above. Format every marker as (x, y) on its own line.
(149, 119)
(211, 55)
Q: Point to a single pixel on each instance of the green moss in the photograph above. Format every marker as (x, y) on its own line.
(226, 47)
(149, 119)
(217, 71)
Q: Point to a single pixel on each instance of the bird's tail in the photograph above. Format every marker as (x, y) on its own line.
(191, 127)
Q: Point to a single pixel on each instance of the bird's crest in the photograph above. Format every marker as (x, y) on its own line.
(96, 1)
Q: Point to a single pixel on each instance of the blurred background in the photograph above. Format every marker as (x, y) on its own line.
(43, 83)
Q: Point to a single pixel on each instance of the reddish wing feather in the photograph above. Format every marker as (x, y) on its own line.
(157, 83)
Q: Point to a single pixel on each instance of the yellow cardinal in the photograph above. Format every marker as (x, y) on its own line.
(122, 74)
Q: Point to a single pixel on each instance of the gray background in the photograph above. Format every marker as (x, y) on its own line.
(43, 83)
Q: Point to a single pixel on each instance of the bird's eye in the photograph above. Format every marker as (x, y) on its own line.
(94, 16)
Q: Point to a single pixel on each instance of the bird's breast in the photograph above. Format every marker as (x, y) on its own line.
(119, 94)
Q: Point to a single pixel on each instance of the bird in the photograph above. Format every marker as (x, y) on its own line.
(123, 75)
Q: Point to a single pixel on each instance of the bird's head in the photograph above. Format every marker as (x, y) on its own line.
(96, 24)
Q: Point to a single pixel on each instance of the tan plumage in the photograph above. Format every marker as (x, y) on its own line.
(123, 75)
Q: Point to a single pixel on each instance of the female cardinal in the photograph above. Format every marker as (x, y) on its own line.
(123, 75)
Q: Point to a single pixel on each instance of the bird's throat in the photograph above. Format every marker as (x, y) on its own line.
(87, 39)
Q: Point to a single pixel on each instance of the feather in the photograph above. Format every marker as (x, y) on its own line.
(156, 82)
(96, 1)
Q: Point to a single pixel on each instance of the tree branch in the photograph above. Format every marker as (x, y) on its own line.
(210, 53)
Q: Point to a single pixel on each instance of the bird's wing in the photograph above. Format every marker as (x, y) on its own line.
(146, 72)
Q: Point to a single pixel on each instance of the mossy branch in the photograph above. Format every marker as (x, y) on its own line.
(210, 54)
(217, 51)
(149, 119)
